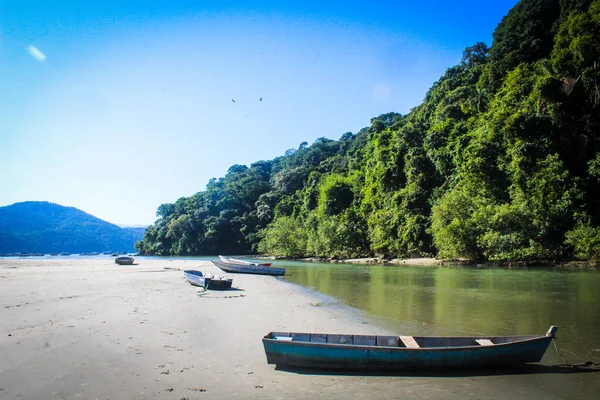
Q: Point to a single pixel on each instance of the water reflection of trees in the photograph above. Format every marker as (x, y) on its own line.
(454, 300)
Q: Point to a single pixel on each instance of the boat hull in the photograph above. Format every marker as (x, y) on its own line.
(249, 269)
(124, 260)
(243, 262)
(332, 356)
(195, 278)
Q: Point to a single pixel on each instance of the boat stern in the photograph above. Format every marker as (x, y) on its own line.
(552, 331)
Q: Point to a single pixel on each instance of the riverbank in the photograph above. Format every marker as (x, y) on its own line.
(374, 260)
(87, 328)
(430, 262)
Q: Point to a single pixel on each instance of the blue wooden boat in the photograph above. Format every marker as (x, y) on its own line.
(291, 350)
(248, 268)
(208, 281)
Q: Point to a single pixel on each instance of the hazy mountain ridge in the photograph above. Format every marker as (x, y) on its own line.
(39, 226)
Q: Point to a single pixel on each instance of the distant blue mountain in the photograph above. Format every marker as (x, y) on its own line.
(43, 227)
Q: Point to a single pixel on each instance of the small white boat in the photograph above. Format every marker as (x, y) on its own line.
(234, 266)
(230, 260)
(207, 281)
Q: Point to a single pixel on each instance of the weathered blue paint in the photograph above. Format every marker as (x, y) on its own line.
(439, 353)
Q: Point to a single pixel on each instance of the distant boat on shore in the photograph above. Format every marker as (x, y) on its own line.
(247, 267)
(64, 253)
(124, 260)
(397, 353)
(230, 260)
(208, 281)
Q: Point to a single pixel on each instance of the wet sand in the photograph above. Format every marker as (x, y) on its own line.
(89, 329)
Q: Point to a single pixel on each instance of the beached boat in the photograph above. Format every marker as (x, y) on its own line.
(124, 260)
(290, 350)
(208, 281)
(230, 260)
(248, 268)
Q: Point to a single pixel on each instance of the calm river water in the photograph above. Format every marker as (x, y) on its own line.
(468, 301)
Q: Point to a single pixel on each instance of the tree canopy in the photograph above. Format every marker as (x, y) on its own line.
(499, 162)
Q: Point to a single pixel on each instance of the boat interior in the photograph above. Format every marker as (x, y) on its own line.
(411, 342)
(193, 272)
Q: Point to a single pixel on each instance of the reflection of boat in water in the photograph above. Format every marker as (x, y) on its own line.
(248, 268)
(124, 260)
(208, 281)
(364, 352)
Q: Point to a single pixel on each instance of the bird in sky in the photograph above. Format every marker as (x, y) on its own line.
(260, 99)
(233, 100)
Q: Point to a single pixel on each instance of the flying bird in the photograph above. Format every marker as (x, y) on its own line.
(260, 99)
(233, 100)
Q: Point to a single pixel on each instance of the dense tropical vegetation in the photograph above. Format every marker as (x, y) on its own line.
(499, 162)
(40, 226)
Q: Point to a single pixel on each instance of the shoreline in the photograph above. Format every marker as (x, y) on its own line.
(422, 261)
(88, 328)
(433, 262)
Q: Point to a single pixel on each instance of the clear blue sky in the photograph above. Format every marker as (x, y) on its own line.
(115, 107)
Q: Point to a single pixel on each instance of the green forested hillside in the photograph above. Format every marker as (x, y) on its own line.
(39, 226)
(499, 162)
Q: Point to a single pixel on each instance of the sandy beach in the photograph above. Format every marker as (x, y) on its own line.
(90, 329)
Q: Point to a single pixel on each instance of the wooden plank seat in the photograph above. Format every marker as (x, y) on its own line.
(409, 342)
(484, 342)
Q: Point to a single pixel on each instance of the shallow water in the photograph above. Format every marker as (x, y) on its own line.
(424, 300)
(468, 301)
